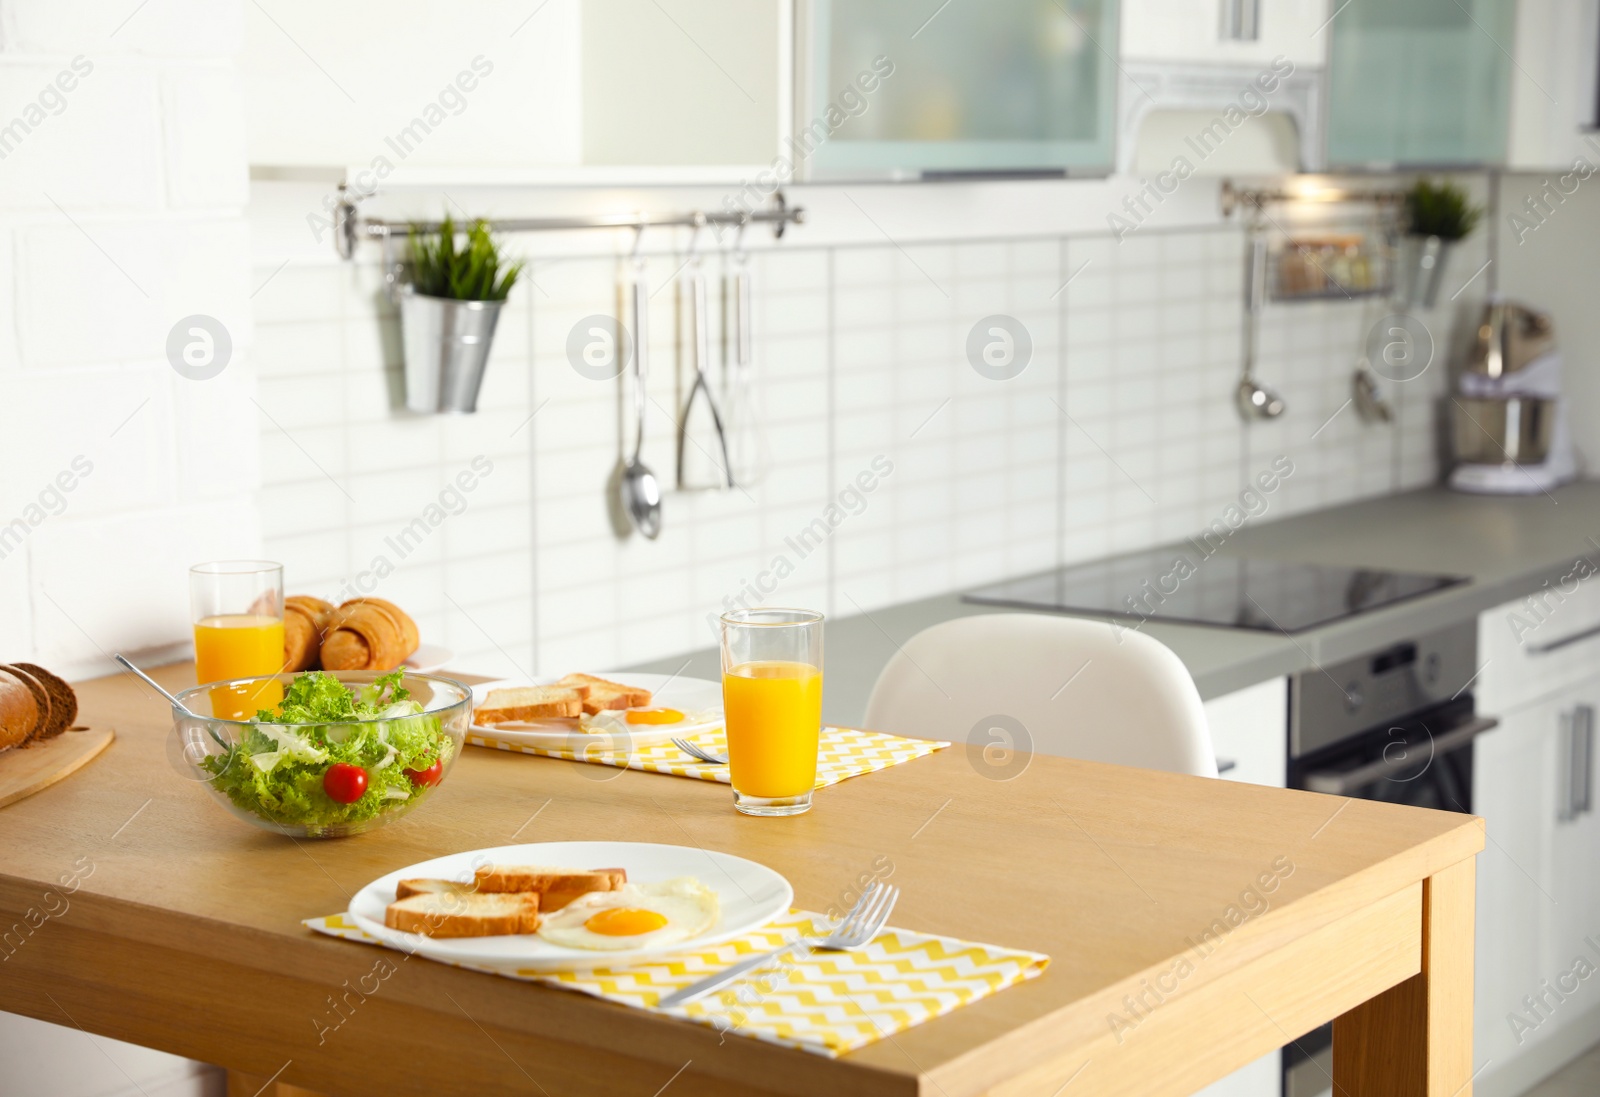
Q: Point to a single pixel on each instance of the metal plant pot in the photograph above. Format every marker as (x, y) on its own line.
(446, 345)
(1422, 260)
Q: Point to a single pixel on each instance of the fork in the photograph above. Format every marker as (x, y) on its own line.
(696, 752)
(861, 925)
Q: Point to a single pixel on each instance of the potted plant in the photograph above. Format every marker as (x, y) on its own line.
(1438, 215)
(448, 314)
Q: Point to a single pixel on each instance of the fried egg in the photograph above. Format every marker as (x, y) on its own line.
(633, 916)
(622, 721)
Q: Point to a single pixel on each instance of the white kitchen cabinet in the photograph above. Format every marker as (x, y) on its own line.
(1250, 729)
(1511, 792)
(1574, 848)
(1219, 31)
(1539, 873)
(1553, 93)
(579, 91)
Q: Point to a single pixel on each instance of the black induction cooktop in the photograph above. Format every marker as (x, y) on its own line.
(1179, 584)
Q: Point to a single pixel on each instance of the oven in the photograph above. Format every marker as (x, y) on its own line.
(1397, 725)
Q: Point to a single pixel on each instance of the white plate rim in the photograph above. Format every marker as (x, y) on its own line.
(548, 957)
(648, 735)
(438, 657)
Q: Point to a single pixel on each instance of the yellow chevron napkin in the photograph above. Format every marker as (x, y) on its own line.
(842, 753)
(826, 1003)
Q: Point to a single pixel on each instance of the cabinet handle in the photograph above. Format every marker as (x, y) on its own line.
(1577, 783)
(1240, 20)
(1557, 645)
(1583, 759)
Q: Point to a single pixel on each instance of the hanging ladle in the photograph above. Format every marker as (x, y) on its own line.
(641, 491)
(1256, 401)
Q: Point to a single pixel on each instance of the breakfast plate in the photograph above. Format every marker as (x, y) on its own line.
(749, 895)
(428, 658)
(699, 700)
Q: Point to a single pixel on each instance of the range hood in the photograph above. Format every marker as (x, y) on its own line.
(1218, 119)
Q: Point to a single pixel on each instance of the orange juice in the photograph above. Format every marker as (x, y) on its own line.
(773, 717)
(239, 645)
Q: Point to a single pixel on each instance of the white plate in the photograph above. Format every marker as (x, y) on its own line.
(429, 658)
(750, 895)
(667, 691)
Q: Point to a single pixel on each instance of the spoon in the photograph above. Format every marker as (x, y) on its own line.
(155, 685)
(641, 491)
(177, 704)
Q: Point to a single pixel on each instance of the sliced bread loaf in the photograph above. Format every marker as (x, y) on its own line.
(505, 706)
(599, 694)
(465, 914)
(63, 700)
(556, 887)
(407, 888)
(19, 712)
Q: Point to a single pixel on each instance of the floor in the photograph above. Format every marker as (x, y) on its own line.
(1580, 1078)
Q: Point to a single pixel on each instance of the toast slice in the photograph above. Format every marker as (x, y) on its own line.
(504, 706)
(405, 889)
(601, 694)
(467, 914)
(556, 887)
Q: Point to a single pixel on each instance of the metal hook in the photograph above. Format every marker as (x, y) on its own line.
(638, 241)
(699, 222)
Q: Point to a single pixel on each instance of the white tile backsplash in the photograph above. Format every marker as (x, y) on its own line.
(1120, 434)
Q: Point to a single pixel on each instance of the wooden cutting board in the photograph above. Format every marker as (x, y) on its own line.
(25, 771)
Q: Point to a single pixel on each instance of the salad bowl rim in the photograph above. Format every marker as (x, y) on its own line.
(182, 696)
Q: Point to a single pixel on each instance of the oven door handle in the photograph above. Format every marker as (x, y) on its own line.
(1341, 783)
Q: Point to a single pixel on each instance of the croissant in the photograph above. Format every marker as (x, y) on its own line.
(368, 634)
(304, 619)
(410, 637)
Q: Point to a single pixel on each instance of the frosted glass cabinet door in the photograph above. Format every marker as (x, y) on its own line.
(1419, 82)
(993, 86)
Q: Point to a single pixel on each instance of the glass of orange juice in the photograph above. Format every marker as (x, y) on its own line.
(237, 607)
(772, 702)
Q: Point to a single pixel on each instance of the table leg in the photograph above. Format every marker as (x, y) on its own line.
(1415, 1039)
(248, 1085)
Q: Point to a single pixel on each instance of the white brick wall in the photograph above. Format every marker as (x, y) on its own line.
(861, 351)
(121, 212)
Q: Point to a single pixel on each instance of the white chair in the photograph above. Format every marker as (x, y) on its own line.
(1046, 685)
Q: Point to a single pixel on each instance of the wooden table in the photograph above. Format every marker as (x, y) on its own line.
(1194, 925)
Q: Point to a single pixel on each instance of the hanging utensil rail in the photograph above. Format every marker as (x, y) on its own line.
(350, 228)
(1235, 197)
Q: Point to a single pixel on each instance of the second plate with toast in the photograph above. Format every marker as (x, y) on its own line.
(612, 710)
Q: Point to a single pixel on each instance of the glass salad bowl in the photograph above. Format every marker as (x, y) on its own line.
(330, 753)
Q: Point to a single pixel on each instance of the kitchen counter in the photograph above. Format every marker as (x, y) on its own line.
(1507, 546)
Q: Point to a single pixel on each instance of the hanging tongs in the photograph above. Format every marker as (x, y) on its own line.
(701, 345)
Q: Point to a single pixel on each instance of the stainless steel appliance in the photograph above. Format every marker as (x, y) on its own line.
(1395, 725)
(1508, 421)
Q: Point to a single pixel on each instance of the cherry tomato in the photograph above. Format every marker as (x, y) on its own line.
(344, 783)
(429, 776)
